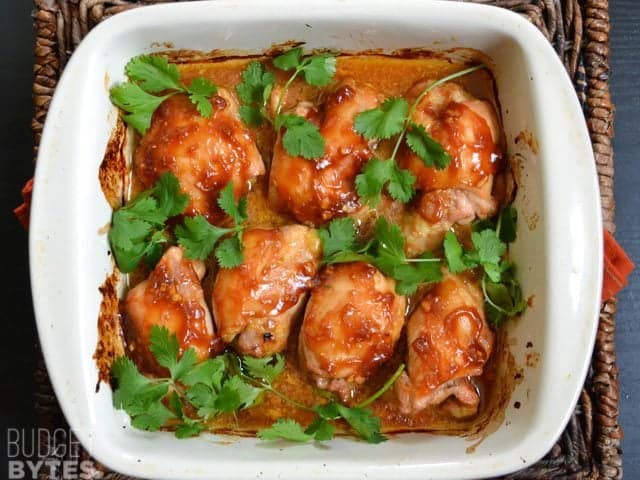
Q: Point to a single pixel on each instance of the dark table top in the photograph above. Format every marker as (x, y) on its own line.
(18, 338)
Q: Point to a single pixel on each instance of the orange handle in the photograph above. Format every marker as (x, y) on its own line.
(617, 267)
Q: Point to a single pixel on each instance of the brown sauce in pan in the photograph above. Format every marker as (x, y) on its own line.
(392, 77)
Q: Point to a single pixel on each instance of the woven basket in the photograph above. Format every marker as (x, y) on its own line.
(579, 32)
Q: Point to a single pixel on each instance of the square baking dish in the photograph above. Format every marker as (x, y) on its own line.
(559, 247)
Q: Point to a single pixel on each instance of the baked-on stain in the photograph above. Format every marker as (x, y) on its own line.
(392, 76)
(529, 139)
(113, 169)
(110, 339)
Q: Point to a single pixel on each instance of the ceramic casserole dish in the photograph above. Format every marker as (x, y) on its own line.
(558, 251)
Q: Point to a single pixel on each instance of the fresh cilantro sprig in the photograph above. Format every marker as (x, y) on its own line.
(199, 238)
(502, 292)
(359, 418)
(225, 384)
(149, 75)
(385, 250)
(138, 229)
(209, 388)
(394, 117)
(301, 137)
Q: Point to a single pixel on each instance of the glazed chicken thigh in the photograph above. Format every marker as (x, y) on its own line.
(351, 324)
(467, 128)
(315, 191)
(203, 153)
(255, 303)
(449, 341)
(171, 297)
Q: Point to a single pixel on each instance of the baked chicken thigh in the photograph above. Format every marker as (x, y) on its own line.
(255, 303)
(203, 153)
(449, 342)
(171, 297)
(350, 327)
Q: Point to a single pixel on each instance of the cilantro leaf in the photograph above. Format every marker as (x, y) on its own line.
(430, 152)
(401, 183)
(227, 202)
(236, 394)
(384, 121)
(503, 300)
(251, 115)
(267, 368)
(154, 417)
(456, 261)
(208, 372)
(285, 429)
(255, 81)
(410, 276)
(319, 70)
(137, 228)
(254, 91)
(321, 430)
(190, 429)
(364, 422)
(301, 137)
(139, 104)
(144, 209)
(508, 220)
(488, 246)
(153, 73)
(288, 60)
(229, 252)
(203, 398)
(371, 180)
(389, 246)
(200, 90)
(376, 174)
(198, 237)
(132, 386)
(164, 346)
(171, 200)
(339, 236)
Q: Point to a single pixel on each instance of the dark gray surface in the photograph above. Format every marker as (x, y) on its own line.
(18, 338)
(625, 16)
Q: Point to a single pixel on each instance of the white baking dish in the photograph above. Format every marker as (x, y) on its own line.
(559, 250)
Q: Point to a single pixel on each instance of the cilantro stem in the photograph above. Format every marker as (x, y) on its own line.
(286, 86)
(422, 260)
(383, 389)
(430, 87)
(488, 298)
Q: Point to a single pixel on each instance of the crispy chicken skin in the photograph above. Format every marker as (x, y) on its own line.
(203, 153)
(449, 341)
(468, 129)
(171, 297)
(255, 303)
(351, 324)
(315, 191)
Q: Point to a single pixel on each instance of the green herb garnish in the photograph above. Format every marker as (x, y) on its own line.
(394, 117)
(225, 384)
(198, 237)
(301, 137)
(149, 75)
(502, 292)
(385, 250)
(138, 229)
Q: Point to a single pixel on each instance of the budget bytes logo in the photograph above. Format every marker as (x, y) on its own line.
(55, 453)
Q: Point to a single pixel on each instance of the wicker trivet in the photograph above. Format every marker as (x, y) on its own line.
(579, 32)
